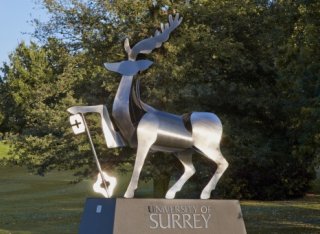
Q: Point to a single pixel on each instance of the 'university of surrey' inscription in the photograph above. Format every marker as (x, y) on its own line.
(182, 217)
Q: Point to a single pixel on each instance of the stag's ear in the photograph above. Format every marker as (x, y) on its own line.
(127, 47)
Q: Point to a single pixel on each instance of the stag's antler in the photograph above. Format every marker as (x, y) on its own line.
(147, 45)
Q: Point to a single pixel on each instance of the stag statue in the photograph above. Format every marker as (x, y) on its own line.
(148, 129)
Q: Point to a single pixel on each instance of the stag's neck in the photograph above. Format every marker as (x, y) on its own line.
(121, 109)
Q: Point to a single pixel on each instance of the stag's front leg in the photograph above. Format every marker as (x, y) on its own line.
(147, 135)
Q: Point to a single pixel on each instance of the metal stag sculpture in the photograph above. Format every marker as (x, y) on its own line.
(148, 129)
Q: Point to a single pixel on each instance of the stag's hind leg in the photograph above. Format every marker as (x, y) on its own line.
(222, 164)
(186, 160)
(206, 133)
(147, 135)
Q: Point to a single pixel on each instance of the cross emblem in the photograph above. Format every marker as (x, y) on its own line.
(77, 125)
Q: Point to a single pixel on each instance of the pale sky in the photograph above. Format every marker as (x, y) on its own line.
(15, 23)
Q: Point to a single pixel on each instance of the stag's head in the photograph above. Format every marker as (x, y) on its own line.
(131, 67)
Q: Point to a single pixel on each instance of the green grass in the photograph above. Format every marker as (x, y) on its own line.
(33, 204)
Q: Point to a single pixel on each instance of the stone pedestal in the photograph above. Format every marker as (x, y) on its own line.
(155, 216)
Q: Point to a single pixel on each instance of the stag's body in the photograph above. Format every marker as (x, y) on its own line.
(161, 131)
(149, 129)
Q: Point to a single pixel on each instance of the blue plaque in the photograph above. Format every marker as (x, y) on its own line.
(98, 216)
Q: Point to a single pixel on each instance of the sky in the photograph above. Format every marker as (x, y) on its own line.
(15, 24)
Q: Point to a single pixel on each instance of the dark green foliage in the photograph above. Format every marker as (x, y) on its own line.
(253, 63)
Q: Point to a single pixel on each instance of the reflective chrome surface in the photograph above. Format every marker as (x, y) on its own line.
(147, 45)
(171, 134)
(129, 68)
(149, 129)
(121, 111)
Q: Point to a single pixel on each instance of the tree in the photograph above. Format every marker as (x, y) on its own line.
(299, 71)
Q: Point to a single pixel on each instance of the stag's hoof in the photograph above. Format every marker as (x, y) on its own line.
(170, 194)
(129, 194)
(205, 194)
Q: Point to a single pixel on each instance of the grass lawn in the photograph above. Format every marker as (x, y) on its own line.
(50, 204)
(33, 204)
